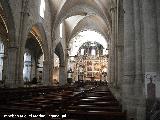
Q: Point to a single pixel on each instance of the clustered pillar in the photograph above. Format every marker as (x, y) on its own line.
(138, 83)
(129, 59)
(46, 72)
(150, 36)
(151, 51)
(112, 48)
(120, 45)
(62, 75)
(141, 54)
(11, 70)
(13, 76)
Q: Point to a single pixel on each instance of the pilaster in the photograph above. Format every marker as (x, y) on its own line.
(129, 59)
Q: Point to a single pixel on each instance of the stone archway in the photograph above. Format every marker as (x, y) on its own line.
(85, 64)
(3, 46)
(84, 8)
(10, 45)
(39, 30)
(7, 12)
(39, 35)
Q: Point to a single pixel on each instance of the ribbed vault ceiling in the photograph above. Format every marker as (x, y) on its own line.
(83, 15)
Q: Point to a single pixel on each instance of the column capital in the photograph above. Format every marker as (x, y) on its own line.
(62, 65)
(13, 45)
(119, 46)
(46, 62)
(113, 9)
(12, 48)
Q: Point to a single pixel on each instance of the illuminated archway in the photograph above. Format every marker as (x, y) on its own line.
(88, 56)
(85, 36)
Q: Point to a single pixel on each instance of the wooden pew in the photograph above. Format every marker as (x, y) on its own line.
(96, 115)
(95, 108)
(91, 101)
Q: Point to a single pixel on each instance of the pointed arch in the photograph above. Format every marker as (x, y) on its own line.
(38, 29)
(60, 53)
(92, 22)
(9, 21)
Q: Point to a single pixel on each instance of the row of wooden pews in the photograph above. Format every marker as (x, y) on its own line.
(30, 101)
(36, 101)
(18, 94)
(70, 103)
(96, 104)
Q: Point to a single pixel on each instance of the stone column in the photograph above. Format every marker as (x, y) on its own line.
(150, 36)
(158, 21)
(5, 61)
(109, 63)
(151, 50)
(33, 68)
(119, 65)
(62, 75)
(19, 67)
(158, 25)
(36, 68)
(138, 84)
(52, 67)
(112, 47)
(138, 45)
(11, 67)
(116, 45)
(120, 42)
(129, 59)
(46, 73)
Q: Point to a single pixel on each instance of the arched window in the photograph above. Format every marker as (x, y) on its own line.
(82, 51)
(27, 66)
(56, 60)
(40, 67)
(93, 52)
(61, 30)
(1, 58)
(42, 8)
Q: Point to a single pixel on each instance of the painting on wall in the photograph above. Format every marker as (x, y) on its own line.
(96, 67)
(89, 63)
(97, 75)
(89, 74)
(89, 68)
(152, 85)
